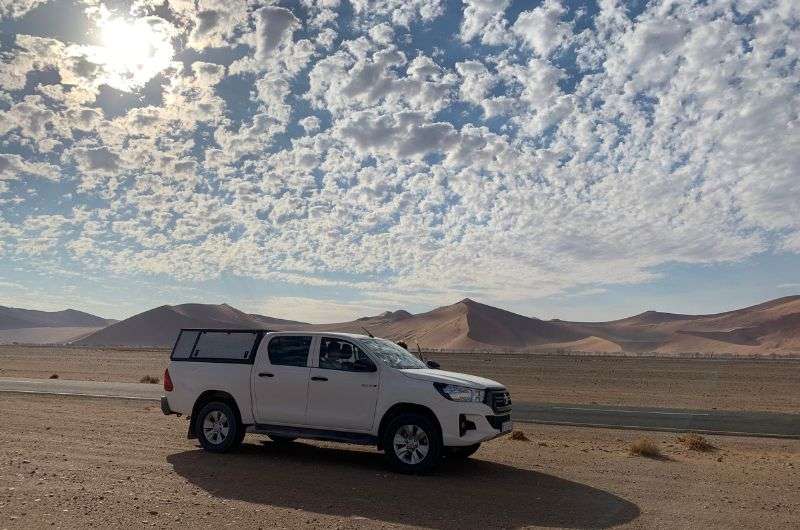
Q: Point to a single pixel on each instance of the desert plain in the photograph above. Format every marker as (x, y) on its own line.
(724, 384)
(75, 462)
(78, 462)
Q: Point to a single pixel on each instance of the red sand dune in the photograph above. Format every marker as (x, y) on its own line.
(771, 327)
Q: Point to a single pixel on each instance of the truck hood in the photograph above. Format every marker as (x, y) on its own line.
(450, 378)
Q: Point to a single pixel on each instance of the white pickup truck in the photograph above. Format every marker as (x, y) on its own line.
(329, 386)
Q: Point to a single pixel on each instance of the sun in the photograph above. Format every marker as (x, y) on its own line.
(133, 51)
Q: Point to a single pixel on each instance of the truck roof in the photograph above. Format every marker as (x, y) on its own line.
(286, 332)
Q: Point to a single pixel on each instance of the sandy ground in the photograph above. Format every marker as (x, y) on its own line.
(88, 364)
(679, 383)
(71, 462)
(648, 382)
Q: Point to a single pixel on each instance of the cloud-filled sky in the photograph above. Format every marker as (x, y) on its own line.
(326, 159)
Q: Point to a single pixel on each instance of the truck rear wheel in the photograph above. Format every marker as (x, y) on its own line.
(218, 428)
(412, 443)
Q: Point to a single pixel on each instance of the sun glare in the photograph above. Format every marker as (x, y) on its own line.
(133, 51)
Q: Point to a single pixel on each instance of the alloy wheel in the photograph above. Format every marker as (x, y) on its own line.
(411, 444)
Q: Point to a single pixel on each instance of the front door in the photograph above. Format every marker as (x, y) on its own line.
(280, 380)
(343, 388)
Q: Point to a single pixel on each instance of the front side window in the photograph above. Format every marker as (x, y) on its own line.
(229, 345)
(338, 354)
(289, 350)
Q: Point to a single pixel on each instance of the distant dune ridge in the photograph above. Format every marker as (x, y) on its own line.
(159, 326)
(769, 328)
(16, 318)
(46, 327)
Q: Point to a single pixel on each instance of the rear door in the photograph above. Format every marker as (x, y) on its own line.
(280, 380)
(344, 387)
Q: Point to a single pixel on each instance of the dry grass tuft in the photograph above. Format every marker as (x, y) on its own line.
(153, 380)
(519, 436)
(695, 442)
(54, 376)
(645, 447)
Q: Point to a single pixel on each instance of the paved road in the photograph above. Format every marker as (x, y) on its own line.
(768, 424)
(640, 418)
(82, 388)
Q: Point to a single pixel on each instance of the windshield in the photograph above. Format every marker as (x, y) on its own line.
(391, 354)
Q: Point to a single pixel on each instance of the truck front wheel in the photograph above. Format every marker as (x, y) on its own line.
(218, 428)
(412, 443)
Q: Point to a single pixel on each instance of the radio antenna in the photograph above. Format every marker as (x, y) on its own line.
(419, 353)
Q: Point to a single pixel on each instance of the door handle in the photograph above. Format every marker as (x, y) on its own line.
(266, 374)
(317, 378)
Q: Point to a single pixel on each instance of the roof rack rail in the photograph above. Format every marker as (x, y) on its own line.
(232, 330)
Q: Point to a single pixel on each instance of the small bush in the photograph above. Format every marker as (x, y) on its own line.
(153, 380)
(695, 442)
(519, 436)
(54, 376)
(645, 447)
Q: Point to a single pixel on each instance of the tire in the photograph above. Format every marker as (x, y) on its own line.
(412, 443)
(461, 453)
(277, 438)
(242, 434)
(218, 428)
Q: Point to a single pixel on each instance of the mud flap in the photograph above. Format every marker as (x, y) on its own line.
(191, 435)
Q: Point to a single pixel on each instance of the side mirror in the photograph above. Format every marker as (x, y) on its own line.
(362, 365)
(433, 364)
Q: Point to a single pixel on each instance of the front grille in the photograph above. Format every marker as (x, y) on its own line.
(498, 399)
(497, 421)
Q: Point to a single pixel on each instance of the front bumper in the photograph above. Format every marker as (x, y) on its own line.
(468, 424)
(165, 406)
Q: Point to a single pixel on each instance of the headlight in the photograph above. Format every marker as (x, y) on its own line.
(459, 393)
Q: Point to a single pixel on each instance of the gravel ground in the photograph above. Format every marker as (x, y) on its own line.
(70, 462)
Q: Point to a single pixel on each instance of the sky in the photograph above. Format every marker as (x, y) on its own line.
(323, 160)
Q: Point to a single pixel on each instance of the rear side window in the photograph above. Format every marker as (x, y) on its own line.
(225, 345)
(183, 348)
(289, 351)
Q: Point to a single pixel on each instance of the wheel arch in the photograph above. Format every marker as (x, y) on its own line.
(207, 397)
(402, 408)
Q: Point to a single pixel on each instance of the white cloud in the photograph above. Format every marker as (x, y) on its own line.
(310, 124)
(96, 159)
(274, 28)
(215, 22)
(14, 167)
(18, 8)
(542, 28)
(484, 19)
(403, 135)
(400, 12)
(360, 77)
(382, 33)
(497, 170)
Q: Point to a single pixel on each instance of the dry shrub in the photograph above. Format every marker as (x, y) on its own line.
(54, 376)
(520, 436)
(153, 380)
(695, 442)
(645, 447)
